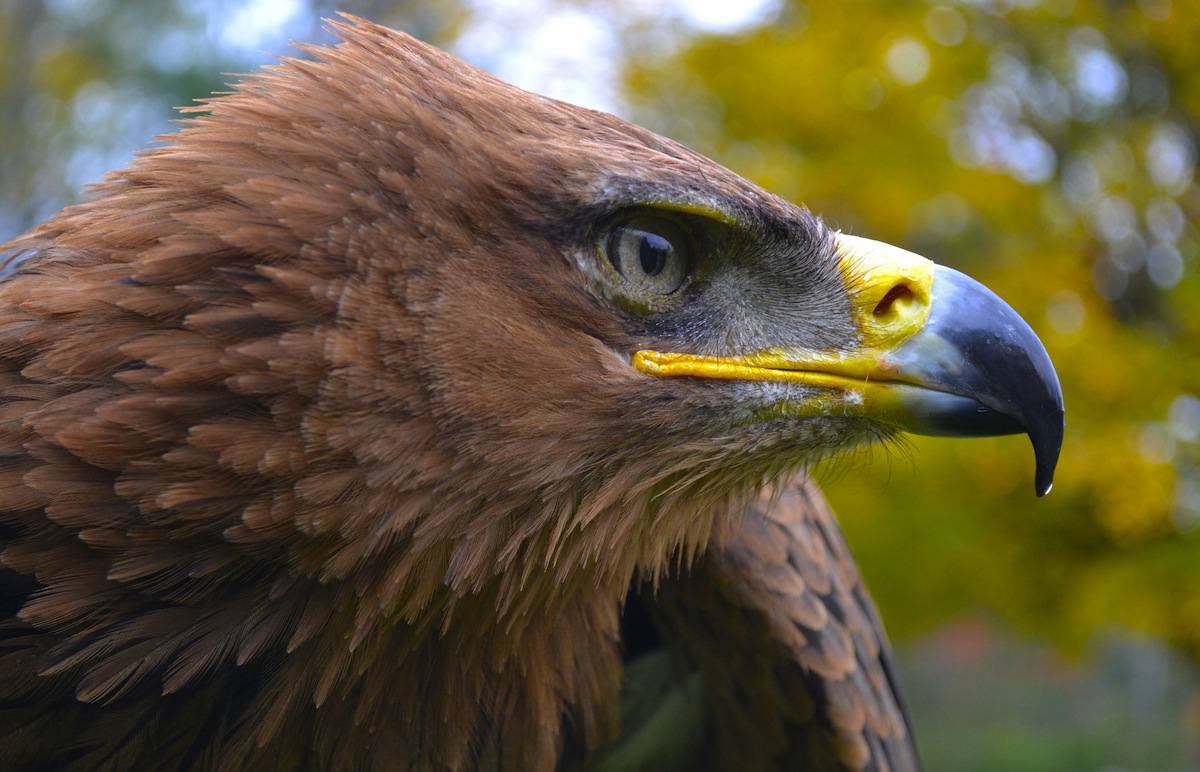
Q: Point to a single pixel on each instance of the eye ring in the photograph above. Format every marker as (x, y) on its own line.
(654, 254)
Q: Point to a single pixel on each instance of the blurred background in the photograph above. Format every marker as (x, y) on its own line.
(1047, 147)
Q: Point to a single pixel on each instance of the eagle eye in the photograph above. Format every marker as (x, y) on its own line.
(653, 254)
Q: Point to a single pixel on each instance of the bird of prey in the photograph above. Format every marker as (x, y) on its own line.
(393, 418)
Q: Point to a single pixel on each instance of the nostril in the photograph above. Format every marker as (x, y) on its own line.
(900, 293)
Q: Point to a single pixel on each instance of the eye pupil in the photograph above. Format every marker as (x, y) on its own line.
(653, 253)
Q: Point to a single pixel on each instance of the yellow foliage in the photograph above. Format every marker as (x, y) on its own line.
(61, 71)
(1134, 504)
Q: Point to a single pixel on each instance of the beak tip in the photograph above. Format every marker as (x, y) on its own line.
(1046, 450)
(1006, 367)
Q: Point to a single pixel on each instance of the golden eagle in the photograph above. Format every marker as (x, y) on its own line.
(394, 418)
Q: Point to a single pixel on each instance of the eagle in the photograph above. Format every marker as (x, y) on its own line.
(391, 417)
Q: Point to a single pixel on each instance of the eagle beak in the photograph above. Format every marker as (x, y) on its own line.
(938, 354)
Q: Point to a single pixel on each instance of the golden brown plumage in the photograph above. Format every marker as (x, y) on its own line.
(323, 449)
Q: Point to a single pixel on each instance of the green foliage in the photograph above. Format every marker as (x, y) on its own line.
(987, 702)
(1047, 148)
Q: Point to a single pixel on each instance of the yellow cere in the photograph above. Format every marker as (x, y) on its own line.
(890, 288)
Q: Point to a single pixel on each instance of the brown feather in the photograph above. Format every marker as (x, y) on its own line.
(809, 683)
(321, 451)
